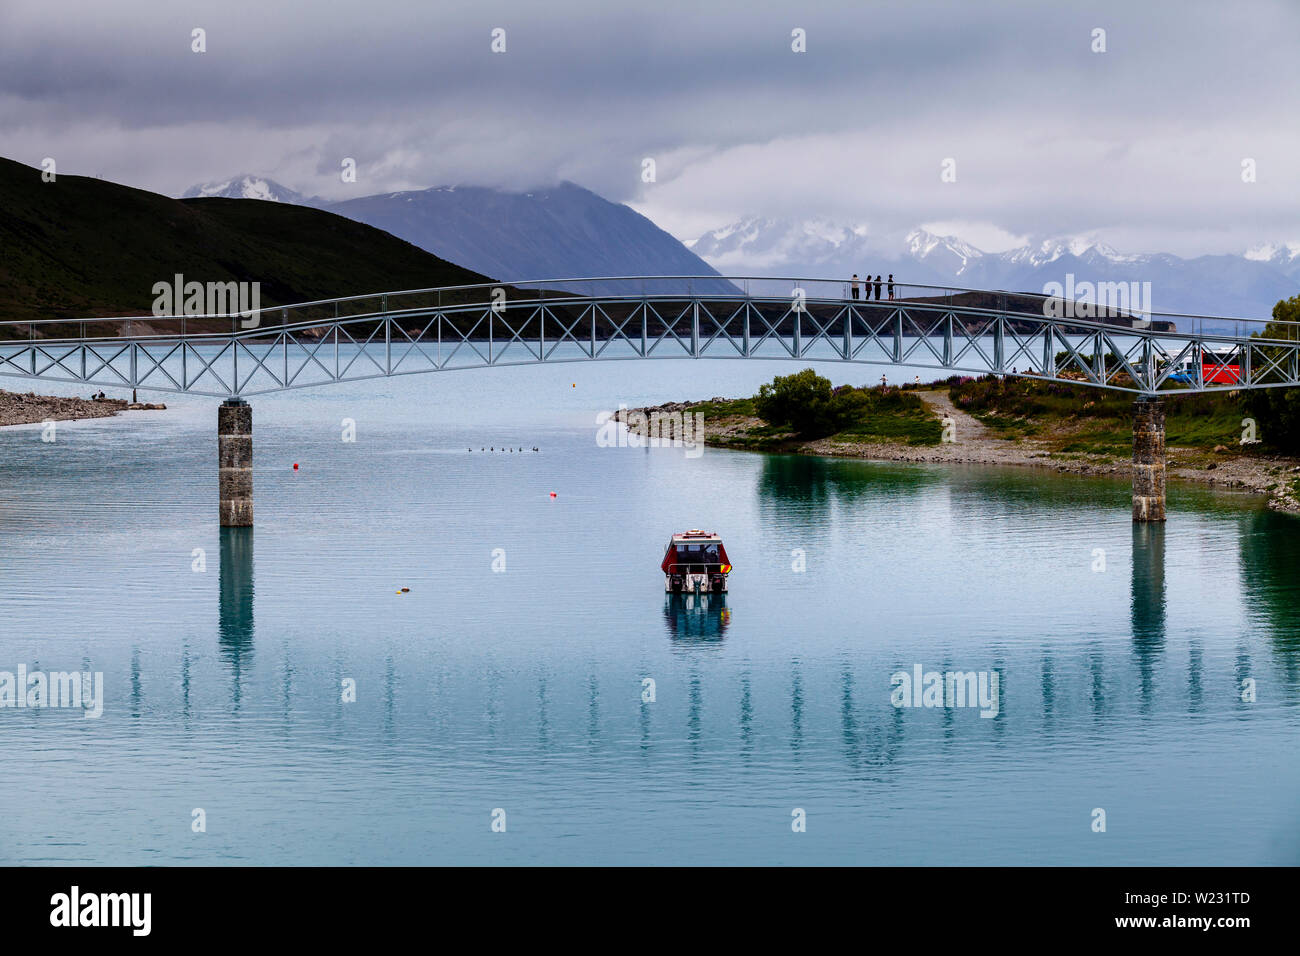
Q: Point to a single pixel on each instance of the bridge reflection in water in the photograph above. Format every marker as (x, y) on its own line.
(1075, 681)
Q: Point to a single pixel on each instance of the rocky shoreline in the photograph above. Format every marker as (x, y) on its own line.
(29, 408)
(1275, 477)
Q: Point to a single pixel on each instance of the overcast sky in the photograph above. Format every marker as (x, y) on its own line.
(1141, 145)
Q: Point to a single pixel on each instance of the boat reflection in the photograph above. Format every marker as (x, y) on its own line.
(696, 618)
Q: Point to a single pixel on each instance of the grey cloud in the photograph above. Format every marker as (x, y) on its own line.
(411, 90)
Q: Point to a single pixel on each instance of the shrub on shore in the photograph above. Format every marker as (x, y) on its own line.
(804, 401)
(809, 406)
(1277, 410)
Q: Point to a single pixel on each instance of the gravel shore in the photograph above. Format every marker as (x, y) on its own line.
(29, 408)
(1272, 476)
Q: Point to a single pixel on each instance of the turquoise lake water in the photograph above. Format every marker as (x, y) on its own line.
(521, 690)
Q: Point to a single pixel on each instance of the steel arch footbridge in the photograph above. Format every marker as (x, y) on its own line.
(642, 318)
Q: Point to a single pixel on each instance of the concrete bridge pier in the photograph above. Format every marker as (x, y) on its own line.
(235, 463)
(1148, 459)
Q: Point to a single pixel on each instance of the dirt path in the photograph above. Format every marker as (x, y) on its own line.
(971, 443)
(966, 424)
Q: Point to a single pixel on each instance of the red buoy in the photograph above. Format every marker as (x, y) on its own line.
(295, 466)
(552, 494)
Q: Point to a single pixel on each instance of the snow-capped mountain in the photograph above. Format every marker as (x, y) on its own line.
(820, 249)
(1245, 285)
(765, 244)
(1049, 250)
(245, 186)
(944, 254)
(546, 233)
(1282, 255)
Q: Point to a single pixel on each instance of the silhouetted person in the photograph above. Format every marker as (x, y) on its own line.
(877, 288)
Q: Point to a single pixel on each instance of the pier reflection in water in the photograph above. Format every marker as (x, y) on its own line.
(1147, 604)
(235, 622)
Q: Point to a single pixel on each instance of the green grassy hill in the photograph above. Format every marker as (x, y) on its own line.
(1076, 419)
(84, 247)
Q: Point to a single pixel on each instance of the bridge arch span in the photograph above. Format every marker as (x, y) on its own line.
(354, 338)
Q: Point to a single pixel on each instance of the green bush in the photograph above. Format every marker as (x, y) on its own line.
(1277, 410)
(806, 403)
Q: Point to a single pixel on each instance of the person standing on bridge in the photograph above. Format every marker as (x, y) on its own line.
(854, 285)
(877, 288)
(891, 287)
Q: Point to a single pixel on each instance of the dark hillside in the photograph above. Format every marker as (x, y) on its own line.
(84, 247)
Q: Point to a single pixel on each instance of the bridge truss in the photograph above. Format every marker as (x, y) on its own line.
(430, 330)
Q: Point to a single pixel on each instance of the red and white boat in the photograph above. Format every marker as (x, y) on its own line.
(695, 563)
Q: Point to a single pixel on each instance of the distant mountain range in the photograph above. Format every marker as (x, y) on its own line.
(1246, 285)
(83, 247)
(568, 231)
(1284, 257)
(561, 232)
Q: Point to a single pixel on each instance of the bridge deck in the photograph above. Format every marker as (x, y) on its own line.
(400, 333)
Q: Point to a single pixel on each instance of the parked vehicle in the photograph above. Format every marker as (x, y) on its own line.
(1220, 366)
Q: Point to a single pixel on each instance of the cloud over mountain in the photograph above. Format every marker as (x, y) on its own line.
(1246, 285)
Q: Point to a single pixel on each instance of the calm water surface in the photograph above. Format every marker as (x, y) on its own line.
(1121, 688)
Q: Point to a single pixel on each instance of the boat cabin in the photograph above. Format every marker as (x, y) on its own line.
(695, 562)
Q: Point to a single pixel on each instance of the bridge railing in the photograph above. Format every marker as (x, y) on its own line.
(816, 294)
